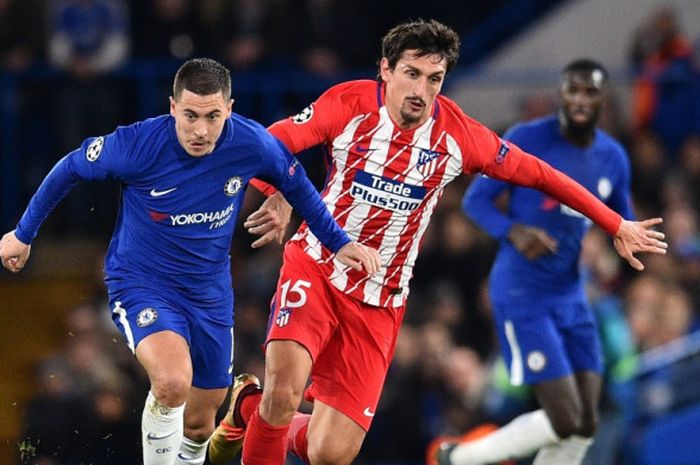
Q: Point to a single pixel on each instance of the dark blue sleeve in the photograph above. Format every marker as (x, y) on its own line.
(97, 158)
(620, 199)
(281, 169)
(478, 203)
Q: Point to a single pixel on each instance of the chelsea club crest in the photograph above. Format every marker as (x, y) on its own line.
(232, 186)
(146, 317)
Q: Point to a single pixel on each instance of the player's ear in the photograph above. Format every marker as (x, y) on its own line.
(384, 68)
(172, 106)
(230, 106)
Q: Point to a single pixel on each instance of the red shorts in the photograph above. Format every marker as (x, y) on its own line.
(350, 342)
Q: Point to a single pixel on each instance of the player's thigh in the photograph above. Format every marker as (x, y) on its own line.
(165, 357)
(302, 309)
(326, 426)
(530, 341)
(581, 337)
(139, 312)
(349, 373)
(211, 350)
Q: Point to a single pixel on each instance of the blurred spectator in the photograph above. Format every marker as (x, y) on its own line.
(648, 158)
(317, 32)
(88, 37)
(667, 89)
(408, 406)
(536, 105)
(689, 167)
(168, 29)
(21, 34)
(52, 429)
(87, 40)
(459, 259)
(241, 27)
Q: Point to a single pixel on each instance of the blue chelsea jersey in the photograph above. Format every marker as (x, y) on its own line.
(178, 212)
(602, 168)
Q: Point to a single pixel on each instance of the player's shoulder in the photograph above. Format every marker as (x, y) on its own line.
(451, 114)
(147, 129)
(129, 139)
(538, 127)
(357, 93)
(248, 132)
(355, 87)
(611, 145)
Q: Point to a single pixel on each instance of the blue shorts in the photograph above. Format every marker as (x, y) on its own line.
(547, 339)
(139, 310)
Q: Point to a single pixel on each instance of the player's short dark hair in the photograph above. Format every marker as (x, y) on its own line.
(203, 76)
(585, 65)
(427, 37)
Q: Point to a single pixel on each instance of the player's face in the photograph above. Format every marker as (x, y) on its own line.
(199, 120)
(582, 96)
(412, 86)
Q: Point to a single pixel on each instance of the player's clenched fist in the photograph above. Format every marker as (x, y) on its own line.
(359, 257)
(13, 252)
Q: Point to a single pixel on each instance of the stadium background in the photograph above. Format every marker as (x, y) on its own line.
(70, 392)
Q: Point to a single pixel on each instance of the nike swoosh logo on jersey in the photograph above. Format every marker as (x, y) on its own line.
(155, 193)
(368, 413)
(152, 437)
(363, 148)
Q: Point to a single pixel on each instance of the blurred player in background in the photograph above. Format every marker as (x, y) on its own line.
(393, 144)
(546, 329)
(167, 269)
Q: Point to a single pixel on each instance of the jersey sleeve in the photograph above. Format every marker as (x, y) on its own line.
(505, 161)
(281, 169)
(312, 126)
(97, 158)
(479, 205)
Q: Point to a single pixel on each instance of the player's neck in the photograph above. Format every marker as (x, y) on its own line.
(580, 136)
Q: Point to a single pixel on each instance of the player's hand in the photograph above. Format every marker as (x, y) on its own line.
(531, 241)
(13, 252)
(359, 257)
(639, 236)
(270, 221)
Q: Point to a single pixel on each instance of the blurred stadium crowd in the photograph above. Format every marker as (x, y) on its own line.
(446, 376)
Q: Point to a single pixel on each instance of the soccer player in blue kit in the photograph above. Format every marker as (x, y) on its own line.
(167, 269)
(546, 329)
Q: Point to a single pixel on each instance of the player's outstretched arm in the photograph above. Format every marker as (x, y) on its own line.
(639, 236)
(270, 221)
(13, 252)
(359, 257)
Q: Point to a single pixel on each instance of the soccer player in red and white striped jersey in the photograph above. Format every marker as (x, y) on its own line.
(392, 145)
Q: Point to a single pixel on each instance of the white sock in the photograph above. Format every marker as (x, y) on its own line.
(519, 438)
(161, 431)
(191, 452)
(570, 451)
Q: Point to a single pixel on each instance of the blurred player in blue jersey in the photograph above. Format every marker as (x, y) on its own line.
(167, 269)
(546, 329)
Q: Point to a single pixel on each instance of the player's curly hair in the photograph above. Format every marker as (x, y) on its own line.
(203, 76)
(427, 37)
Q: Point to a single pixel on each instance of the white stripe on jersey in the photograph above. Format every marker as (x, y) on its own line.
(396, 232)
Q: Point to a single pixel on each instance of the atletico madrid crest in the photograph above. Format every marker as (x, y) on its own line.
(283, 317)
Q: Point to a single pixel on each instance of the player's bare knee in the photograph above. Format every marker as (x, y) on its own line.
(171, 390)
(199, 433)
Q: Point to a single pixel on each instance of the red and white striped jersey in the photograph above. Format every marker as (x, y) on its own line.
(384, 182)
